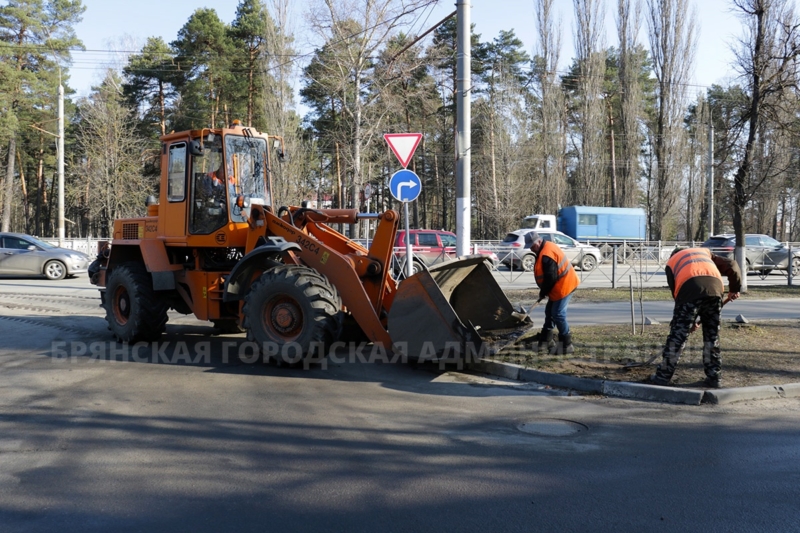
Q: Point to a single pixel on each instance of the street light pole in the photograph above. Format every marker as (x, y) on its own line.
(464, 132)
(710, 178)
(60, 164)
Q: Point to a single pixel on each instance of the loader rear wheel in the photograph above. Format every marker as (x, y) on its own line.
(133, 310)
(292, 312)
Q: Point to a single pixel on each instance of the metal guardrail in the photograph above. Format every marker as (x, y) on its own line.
(87, 246)
(642, 260)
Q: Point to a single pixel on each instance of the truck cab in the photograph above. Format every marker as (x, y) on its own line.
(539, 222)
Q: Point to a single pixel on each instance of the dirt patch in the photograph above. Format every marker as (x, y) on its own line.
(759, 353)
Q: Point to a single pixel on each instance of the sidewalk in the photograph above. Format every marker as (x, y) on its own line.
(620, 313)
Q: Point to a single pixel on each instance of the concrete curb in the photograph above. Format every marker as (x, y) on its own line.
(762, 392)
(637, 391)
(643, 391)
(560, 380)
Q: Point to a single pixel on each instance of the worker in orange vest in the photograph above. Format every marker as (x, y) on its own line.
(695, 279)
(557, 281)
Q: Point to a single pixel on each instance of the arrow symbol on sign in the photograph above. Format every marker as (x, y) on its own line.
(409, 184)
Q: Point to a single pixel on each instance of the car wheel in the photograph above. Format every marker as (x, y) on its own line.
(55, 270)
(795, 267)
(588, 263)
(528, 262)
(764, 272)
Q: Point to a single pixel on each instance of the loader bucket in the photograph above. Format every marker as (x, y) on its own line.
(436, 314)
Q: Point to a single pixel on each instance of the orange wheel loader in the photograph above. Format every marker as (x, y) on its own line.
(214, 245)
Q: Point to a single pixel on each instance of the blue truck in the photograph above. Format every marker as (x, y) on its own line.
(589, 223)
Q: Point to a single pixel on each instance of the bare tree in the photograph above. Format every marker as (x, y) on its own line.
(112, 157)
(672, 35)
(278, 76)
(589, 181)
(551, 143)
(767, 61)
(374, 22)
(626, 191)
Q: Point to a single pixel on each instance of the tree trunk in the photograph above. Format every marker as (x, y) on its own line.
(162, 108)
(23, 186)
(9, 184)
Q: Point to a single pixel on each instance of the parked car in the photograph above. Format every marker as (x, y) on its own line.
(23, 255)
(518, 257)
(763, 254)
(430, 247)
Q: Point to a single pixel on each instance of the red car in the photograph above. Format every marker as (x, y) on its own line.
(432, 246)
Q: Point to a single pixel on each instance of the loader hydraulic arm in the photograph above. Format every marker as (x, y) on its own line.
(361, 276)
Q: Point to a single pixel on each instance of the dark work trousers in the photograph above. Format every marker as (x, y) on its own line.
(708, 309)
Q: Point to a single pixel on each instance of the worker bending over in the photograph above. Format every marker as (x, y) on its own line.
(695, 279)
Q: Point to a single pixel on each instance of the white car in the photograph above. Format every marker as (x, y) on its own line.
(583, 256)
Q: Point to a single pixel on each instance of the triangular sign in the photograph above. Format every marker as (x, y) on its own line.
(403, 145)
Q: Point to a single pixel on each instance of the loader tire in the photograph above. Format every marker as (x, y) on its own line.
(134, 311)
(292, 313)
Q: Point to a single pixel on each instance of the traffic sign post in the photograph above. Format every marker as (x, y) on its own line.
(404, 184)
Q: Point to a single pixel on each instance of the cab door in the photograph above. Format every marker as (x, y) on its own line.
(175, 210)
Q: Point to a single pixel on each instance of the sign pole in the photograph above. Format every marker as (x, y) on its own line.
(463, 126)
(409, 252)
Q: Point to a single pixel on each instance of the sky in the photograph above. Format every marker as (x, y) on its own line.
(124, 25)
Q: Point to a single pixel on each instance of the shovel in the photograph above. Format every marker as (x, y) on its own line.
(515, 336)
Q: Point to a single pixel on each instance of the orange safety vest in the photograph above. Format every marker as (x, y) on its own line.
(566, 280)
(690, 263)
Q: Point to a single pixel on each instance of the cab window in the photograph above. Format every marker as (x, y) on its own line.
(209, 207)
(176, 183)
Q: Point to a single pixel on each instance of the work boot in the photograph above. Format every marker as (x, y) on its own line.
(712, 382)
(545, 341)
(563, 346)
(655, 379)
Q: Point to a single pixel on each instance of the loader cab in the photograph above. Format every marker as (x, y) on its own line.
(212, 179)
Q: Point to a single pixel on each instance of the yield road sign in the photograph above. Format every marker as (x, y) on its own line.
(403, 145)
(405, 185)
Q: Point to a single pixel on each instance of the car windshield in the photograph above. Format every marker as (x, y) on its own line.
(41, 244)
(511, 237)
(769, 241)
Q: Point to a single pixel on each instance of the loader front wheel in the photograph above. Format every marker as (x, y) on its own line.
(133, 311)
(292, 312)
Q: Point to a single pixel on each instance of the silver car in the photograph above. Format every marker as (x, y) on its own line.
(516, 256)
(23, 255)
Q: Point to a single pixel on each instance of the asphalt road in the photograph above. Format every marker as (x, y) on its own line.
(177, 440)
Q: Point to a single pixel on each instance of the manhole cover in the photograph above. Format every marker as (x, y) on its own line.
(552, 427)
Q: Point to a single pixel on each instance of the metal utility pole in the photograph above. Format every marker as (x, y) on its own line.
(463, 131)
(60, 164)
(710, 178)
